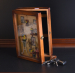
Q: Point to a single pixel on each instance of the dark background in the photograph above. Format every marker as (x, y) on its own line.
(62, 16)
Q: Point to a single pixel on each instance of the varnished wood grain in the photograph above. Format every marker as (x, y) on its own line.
(16, 34)
(46, 55)
(7, 43)
(57, 43)
(30, 59)
(67, 43)
(49, 32)
(33, 8)
(41, 40)
(24, 12)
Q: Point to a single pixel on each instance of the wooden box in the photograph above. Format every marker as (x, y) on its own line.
(33, 36)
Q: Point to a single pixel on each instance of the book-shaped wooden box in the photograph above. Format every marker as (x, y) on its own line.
(33, 36)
